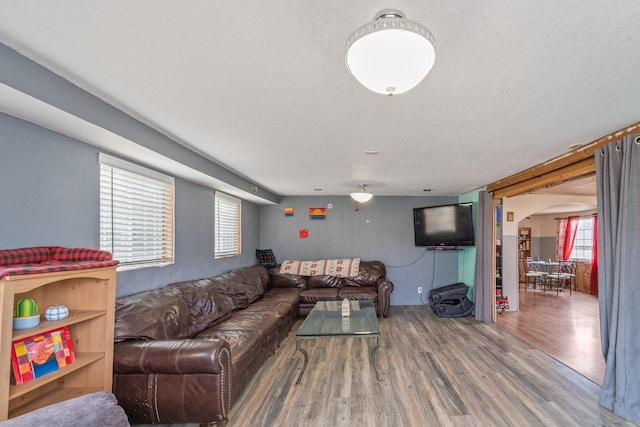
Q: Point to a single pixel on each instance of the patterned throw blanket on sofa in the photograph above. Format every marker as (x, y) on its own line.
(347, 267)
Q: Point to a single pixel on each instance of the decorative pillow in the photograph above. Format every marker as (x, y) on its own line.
(79, 254)
(266, 257)
(24, 255)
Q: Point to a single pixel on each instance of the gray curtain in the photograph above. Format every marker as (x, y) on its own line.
(482, 289)
(618, 187)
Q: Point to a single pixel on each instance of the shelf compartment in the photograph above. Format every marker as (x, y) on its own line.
(75, 316)
(82, 360)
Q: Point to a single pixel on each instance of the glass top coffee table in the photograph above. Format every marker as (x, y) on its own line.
(326, 321)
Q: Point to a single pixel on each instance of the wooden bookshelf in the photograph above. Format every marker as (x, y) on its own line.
(524, 249)
(90, 297)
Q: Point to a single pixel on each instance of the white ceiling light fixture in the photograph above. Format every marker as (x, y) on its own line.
(361, 195)
(392, 54)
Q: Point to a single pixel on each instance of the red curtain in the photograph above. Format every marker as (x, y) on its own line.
(561, 230)
(593, 285)
(570, 236)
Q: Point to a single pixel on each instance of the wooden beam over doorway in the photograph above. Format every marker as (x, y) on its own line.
(574, 164)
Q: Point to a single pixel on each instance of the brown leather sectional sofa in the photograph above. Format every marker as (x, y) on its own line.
(184, 353)
(370, 284)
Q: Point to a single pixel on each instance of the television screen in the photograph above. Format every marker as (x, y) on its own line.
(450, 225)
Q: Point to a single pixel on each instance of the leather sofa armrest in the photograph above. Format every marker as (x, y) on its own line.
(188, 356)
(384, 287)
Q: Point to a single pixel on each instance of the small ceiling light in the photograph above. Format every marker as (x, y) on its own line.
(390, 55)
(361, 195)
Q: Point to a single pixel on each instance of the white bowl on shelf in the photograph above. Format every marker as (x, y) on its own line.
(26, 322)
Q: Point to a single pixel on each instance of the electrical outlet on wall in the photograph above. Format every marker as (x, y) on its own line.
(419, 290)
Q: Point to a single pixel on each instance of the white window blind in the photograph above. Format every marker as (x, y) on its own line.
(136, 214)
(227, 226)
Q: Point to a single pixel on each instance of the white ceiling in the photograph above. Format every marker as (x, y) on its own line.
(261, 87)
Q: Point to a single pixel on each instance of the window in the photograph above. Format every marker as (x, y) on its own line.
(136, 214)
(584, 240)
(227, 226)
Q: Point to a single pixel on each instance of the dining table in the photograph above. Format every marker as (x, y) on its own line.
(546, 266)
(554, 272)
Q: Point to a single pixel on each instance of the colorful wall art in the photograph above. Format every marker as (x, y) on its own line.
(317, 213)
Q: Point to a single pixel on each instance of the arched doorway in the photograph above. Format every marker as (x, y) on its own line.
(543, 208)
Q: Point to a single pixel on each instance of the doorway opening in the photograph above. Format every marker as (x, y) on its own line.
(575, 165)
(561, 321)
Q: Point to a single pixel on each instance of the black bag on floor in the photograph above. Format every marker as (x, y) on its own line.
(455, 291)
(453, 307)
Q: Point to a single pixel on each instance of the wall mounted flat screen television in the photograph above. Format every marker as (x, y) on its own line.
(449, 225)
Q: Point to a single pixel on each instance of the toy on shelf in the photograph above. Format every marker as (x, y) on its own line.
(56, 312)
(39, 354)
(26, 314)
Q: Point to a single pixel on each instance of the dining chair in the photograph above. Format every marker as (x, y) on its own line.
(533, 274)
(564, 276)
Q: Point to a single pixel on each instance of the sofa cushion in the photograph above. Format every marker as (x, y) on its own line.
(324, 282)
(262, 322)
(255, 279)
(153, 315)
(368, 275)
(287, 280)
(274, 308)
(207, 305)
(229, 284)
(289, 296)
(358, 293)
(311, 296)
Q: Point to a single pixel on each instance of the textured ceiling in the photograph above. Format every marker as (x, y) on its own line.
(581, 187)
(261, 87)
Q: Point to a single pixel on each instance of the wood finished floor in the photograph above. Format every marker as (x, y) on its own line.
(566, 326)
(439, 372)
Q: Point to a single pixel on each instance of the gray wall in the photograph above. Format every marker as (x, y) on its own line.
(543, 247)
(46, 198)
(547, 247)
(49, 188)
(388, 237)
(510, 284)
(24, 75)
